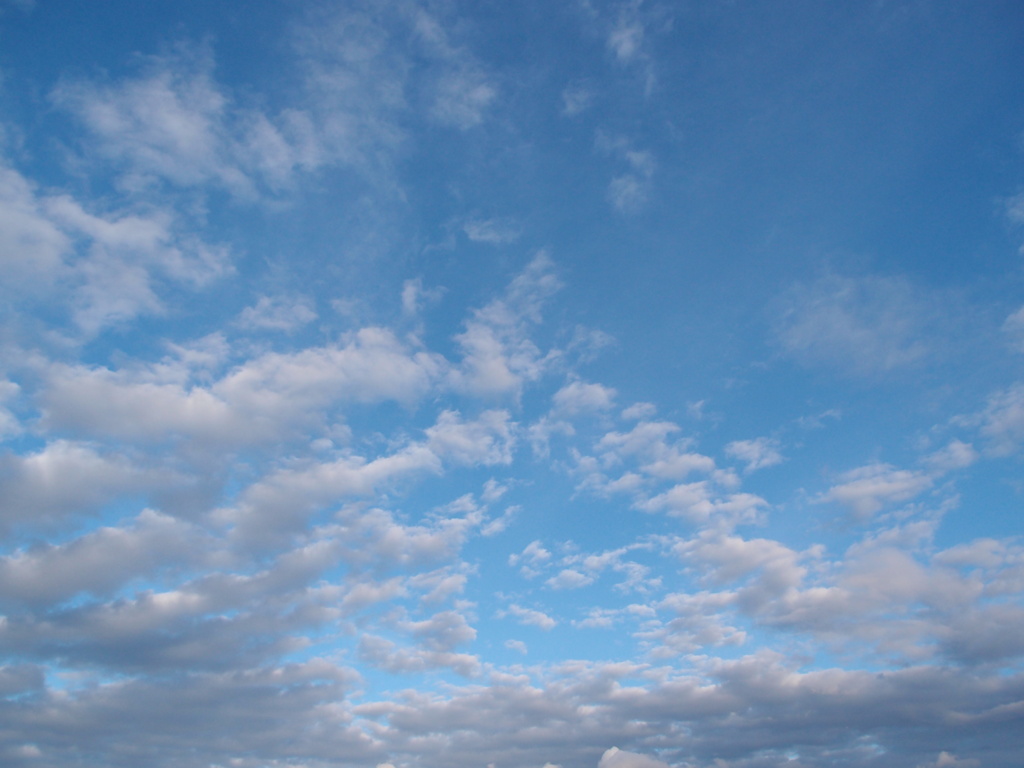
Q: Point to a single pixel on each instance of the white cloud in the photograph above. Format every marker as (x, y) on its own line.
(864, 326)
(98, 562)
(278, 313)
(569, 579)
(9, 423)
(442, 632)
(529, 617)
(1013, 327)
(627, 192)
(646, 439)
(618, 758)
(533, 557)
(866, 490)
(517, 645)
(949, 760)
(639, 411)
(625, 39)
(956, 455)
(487, 440)
(108, 267)
(462, 97)
(492, 231)
(167, 124)
(576, 98)
(699, 505)
(499, 357)
(31, 245)
(758, 453)
(415, 296)
(577, 396)
(263, 399)
(1001, 423)
(70, 478)
(175, 123)
(729, 558)
(501, 523)
(461, 91)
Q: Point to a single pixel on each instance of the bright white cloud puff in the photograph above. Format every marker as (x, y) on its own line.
(431, 385)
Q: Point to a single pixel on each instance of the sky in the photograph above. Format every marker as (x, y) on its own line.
(572, 384)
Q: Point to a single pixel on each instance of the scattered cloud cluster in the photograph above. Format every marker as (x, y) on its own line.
(457, 529)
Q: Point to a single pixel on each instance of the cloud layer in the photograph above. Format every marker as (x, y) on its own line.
(413, 385)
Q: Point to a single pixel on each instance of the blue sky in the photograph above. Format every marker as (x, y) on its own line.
(419, 384)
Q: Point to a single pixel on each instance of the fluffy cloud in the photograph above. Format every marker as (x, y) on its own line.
(259, 400)
(175, 123)
(1001, 423)
(278, 313)
(491, 231)
(108, 266)
(1013, 327)
(68, 478)
(499, 356)
(617, 758)
(579, 396)
(31, 245)
(866, 490)
(529, 617)
(758, 454)
(98, 562)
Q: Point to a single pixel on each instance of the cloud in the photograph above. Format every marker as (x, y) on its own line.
(262, 399)
(529, 617)
(488, 440)
(98, 562)
(253, 537)
(278, 313)
(1001, 423)
(948, 760)
(758, 453)
(384, 654)
(576, 98)
(866, 490)
(462, 97)
(174, 123)
(67, 479)
(629, 192)
(533, 557)
(31, 244)
(625, 39)
(577, 396)
(109, 267)
(860, 326)
(700, 505)
(9, 423)
(1013, 327)
(461, 91)
(640, 411)
(498, 356)
(569, 579)
(617, 758)
(492, 231)
(956, 455)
